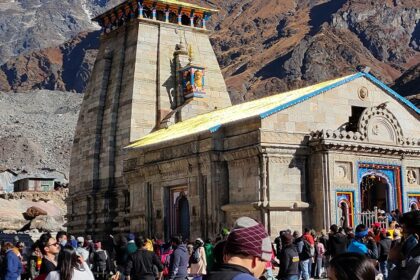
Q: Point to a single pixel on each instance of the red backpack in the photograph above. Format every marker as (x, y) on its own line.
(165, 259)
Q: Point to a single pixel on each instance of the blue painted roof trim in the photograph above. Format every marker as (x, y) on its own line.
(310, 95)
(327, 88)
(215, 128)
(377, 82)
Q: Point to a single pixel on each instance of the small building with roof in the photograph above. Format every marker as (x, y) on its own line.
(34, 183)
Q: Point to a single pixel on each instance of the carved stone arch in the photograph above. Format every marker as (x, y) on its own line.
(379, 125)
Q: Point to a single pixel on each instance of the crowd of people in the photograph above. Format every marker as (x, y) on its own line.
(243, 253)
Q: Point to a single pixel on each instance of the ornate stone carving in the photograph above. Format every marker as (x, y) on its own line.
(343, 171)
(363, 93)
(378, 124)
(282, 160)
(411, 176)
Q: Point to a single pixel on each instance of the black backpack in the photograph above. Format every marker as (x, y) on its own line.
(100, 261)
(195, 256)
(308, 251)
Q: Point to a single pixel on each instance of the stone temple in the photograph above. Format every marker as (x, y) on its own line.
(159, 148)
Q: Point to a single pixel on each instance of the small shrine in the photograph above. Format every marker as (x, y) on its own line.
(193, 77)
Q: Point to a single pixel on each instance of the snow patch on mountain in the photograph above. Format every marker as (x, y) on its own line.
(86, 9)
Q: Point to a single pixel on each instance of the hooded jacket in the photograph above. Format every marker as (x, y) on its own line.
(289, 261)
(337, 244)
(178, 265)
(13, 267)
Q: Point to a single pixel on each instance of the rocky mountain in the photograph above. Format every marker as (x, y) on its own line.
(263, 47)
(409, 82)
(37, 130)
(63, 67)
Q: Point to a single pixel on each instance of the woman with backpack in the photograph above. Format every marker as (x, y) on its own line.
(198, 260)
(70, 266)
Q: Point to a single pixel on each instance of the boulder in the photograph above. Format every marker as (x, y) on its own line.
(47, 223)
(33, 212)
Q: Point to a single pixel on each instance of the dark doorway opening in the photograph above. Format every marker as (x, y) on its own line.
(179, 212)
(374, 193)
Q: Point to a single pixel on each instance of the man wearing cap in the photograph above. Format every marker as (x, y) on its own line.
(81, 251)
(247, 249)
(363, 243)
(407, 261)
(376, 228)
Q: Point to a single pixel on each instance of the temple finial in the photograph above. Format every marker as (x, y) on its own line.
(190, 53)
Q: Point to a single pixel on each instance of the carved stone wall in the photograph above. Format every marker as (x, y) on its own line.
(343, 172)
(379, 125)
(244, 180)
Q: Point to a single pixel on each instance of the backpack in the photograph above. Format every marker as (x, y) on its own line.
(165, 258)
(100, 259)
(195, 257)
(308, 251)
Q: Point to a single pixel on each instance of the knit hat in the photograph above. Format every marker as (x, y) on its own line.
(80, 239)
(248, 237)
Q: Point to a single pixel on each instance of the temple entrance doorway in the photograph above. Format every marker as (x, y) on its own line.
(374, 191)
(179, 212)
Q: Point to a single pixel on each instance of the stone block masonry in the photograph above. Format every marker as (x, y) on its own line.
(130, 91)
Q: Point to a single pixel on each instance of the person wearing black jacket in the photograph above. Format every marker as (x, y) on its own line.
(384, 246)
(289, 259)
(121, 254)
(140, 263)
(337, 242)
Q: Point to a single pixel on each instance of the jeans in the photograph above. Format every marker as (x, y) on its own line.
(383, 265)
(319, 267)
(197, 277)
(305, 269)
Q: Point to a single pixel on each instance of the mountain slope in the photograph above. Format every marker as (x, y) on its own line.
(38, 24)
(263, 47)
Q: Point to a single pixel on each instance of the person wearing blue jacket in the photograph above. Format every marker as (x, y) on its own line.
(13, 266)
(363, 243)
(178, 265)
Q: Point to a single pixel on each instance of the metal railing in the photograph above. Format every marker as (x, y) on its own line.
(368, 218)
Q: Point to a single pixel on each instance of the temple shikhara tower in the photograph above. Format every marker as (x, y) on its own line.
(159, 148)
(155, 67)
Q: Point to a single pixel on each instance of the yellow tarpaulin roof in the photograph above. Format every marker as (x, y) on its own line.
(263, 107)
